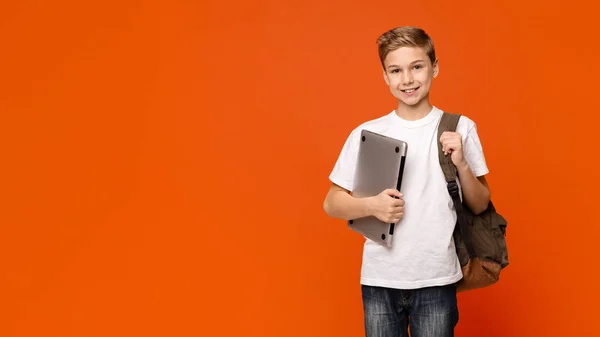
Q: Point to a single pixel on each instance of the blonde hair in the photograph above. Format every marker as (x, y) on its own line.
(405, 36)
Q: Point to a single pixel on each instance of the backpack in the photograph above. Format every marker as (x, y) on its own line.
(480, 240)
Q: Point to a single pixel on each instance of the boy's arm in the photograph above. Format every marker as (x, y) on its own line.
(387, 206)
(475, 190)
(341, 205)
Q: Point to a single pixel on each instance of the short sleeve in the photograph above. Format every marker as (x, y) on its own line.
(345, 166)
(473, 151)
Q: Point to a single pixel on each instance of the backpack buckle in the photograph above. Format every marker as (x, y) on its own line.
(453, 188)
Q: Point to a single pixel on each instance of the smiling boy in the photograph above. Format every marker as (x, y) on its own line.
(412, 284)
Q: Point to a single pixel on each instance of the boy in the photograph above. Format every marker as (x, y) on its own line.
(415, 279)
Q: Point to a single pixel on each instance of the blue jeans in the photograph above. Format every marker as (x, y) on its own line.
(427, 312)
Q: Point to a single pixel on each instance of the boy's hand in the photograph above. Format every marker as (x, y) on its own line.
(388, 206)
(452, 143)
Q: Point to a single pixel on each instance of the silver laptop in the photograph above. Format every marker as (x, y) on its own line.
(380, 165)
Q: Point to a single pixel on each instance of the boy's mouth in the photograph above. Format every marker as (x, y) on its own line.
(410, 91)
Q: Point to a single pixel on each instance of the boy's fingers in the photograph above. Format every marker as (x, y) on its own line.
(393, 192)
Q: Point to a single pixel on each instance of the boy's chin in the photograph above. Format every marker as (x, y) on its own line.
(410, 102)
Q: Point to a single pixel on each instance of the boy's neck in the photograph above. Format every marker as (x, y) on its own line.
(414, 112)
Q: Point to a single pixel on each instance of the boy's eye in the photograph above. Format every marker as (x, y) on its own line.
(395, 71)
(418, 66)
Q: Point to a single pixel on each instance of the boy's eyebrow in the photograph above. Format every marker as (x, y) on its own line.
(413, 62)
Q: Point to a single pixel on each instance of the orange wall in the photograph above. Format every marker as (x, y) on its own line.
(132, 207)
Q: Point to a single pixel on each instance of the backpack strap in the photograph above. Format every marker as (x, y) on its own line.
(449, 122)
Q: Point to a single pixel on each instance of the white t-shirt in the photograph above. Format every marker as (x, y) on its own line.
(423, 252)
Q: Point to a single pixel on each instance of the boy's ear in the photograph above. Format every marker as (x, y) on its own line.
(385, 77)
(436, 69)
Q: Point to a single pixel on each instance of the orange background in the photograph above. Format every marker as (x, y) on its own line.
(164, 164)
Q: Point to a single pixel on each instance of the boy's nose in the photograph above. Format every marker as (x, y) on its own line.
(407, 78)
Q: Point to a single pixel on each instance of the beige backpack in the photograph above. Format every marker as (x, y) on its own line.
(480, 239)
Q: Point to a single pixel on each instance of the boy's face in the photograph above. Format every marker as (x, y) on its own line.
(409, 73)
